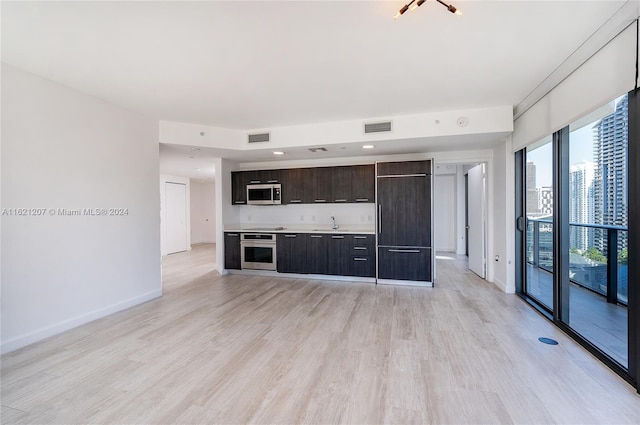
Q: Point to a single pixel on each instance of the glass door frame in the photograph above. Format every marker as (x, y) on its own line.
(561, 241)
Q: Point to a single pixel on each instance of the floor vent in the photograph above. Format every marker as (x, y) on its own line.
(377, 127)
(259, 138)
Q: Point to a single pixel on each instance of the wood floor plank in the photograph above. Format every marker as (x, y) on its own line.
(268, 350)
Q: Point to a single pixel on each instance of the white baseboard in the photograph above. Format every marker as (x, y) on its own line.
(38, 335)
(501, 285)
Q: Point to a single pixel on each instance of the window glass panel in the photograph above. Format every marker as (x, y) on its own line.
(597, 213)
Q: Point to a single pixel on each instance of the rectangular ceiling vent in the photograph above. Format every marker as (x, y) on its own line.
(314, 150)
(259, 138)
(377, 127)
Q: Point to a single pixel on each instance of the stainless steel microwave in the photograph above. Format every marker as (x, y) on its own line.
(264, 194)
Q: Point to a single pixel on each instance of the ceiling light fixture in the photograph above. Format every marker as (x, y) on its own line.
(278, 153)
(413, 5)
(368, 147)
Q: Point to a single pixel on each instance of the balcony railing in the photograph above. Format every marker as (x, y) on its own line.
(597, 257)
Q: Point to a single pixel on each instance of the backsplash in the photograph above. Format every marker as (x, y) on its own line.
(318, 214)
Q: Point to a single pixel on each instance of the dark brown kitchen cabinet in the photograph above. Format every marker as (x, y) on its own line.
(363, 183)
(339, 255)
(262, 176)
(341, 185)
(404, 263)
(404, 221)
(292, 253)
(297, 185)
(363, 255)
(232, 259)
(404, 211)
(317, 249)
(403, 168)
(322, 187)
(239, 181)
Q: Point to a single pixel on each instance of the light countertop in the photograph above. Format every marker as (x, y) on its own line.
(299, 228)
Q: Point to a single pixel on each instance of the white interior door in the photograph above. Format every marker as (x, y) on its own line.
(477, 220)
(176, 217)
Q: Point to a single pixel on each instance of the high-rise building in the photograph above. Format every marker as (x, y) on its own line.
(610, 180)
(545, 200)
(581, 204)
(532, 193)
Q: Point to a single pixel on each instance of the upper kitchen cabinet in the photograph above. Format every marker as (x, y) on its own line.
(297, 185)
(239, 181)
(322, 187)
(363, 183)
(341, 185)
(404, 168)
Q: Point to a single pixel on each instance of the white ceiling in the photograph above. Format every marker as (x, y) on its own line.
(264, 64)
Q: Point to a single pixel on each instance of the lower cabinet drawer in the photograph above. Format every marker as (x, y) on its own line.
(363, 266)
(402, 263)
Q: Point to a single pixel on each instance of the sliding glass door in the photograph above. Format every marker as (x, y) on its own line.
(573, 239)
(539, 224)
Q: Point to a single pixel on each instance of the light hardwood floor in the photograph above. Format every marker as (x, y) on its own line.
(240, 349)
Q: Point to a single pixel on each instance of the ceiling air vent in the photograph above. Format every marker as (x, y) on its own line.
(314, 150)
(259, 138)
(377, 127)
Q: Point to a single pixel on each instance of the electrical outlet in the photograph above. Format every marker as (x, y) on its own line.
(301, 218)
(497, 258)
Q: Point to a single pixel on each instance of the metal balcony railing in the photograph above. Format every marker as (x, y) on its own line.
(596, 260)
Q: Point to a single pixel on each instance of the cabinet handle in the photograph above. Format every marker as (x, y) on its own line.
(361, 248)
(337, 237)
(290, 236)
(272, 181)
(359, 237)
(359, 259)
(316, 236)
(362, 199)
(239, 202)
(340, 200)
(295, 201)
(255, 181)
(408, 251)
(232, 234)
(320, 200)
(380, 219)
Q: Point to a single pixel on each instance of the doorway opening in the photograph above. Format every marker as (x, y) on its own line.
(460, 217)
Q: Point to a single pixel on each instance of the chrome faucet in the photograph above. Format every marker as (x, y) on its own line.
(335, 225)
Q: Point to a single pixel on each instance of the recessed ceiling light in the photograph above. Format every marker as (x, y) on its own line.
(278, 153)
(368, 147)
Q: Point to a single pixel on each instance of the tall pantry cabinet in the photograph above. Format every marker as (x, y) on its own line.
(404, 225)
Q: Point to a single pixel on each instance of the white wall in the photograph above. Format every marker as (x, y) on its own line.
(496, 119)
(504, 219)
(64, 149)
(203, 212)
(444, 212)
(225, 211)
(164, 179)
